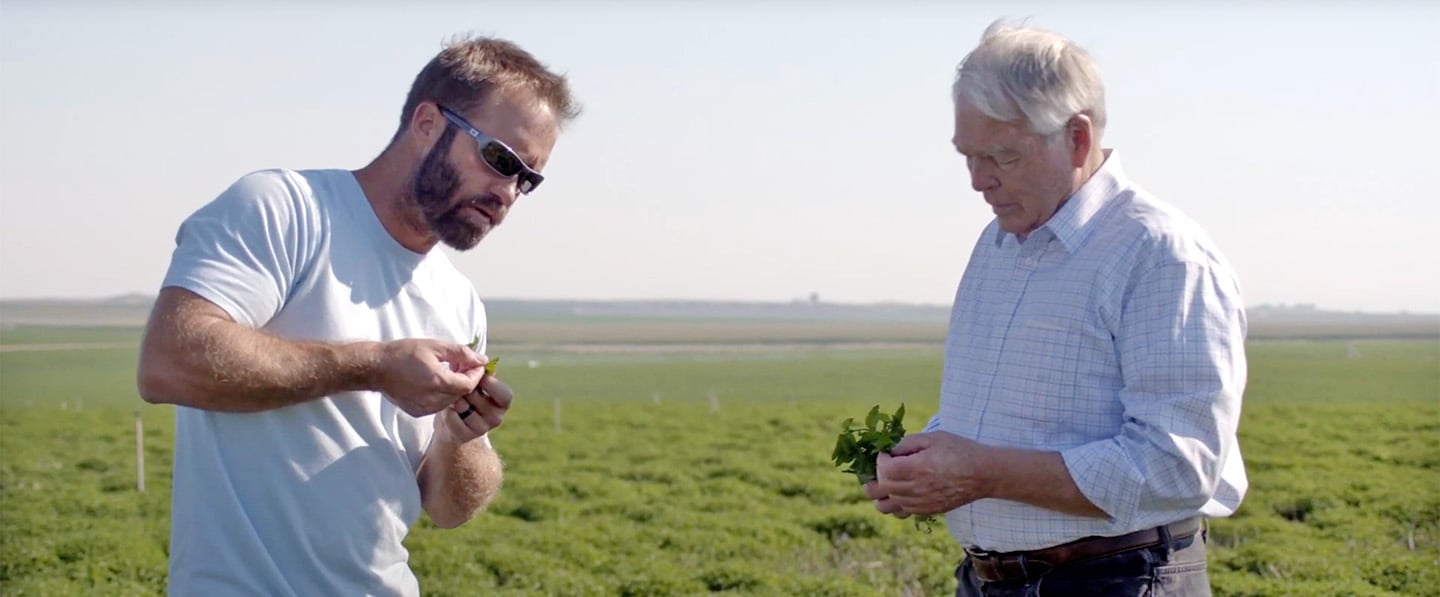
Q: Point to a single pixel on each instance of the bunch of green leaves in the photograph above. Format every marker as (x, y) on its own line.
(859, 446)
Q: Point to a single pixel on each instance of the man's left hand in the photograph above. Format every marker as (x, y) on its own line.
(930, 473)
(483, 409)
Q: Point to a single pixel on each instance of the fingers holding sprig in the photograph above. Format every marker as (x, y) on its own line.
(424, 376)
(462, 358)
(483, 409)
(884, 490)
(882, 500)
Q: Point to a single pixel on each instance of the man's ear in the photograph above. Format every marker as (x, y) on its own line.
(426, 125)
(1080, 137)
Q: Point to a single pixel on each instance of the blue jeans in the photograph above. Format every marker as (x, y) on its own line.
(1174, 570)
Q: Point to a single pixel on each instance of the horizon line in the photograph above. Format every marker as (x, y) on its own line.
(1294, 307)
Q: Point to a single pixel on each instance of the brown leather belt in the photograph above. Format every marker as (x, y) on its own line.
(1029, 565)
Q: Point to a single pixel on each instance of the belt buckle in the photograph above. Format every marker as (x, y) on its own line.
(981, 553)
(997, 566)
(987, 559)
(994, 566)
(988, 565)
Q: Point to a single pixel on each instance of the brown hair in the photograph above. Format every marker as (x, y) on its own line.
(469, 68)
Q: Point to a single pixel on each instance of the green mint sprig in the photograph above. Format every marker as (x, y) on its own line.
(858, 448)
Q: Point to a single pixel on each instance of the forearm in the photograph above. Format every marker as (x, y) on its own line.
(1040, 479)
(193, 355)
(458, 480)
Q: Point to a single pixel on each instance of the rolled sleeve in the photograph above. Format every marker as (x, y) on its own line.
(1104, 474)
(1181, 350)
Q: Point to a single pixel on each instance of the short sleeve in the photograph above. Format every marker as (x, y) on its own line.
(245, 250)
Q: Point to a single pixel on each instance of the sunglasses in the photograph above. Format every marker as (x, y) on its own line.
(498, 156)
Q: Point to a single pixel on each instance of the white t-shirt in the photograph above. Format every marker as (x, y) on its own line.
(315, 498)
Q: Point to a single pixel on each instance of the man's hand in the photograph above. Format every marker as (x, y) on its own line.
(930, 473)
(459, 476)
(486, 408)
(882, 500)
(424, 376)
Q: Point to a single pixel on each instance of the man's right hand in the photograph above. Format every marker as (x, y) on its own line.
(423, 377)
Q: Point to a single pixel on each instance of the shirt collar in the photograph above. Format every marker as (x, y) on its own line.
(1069, 224)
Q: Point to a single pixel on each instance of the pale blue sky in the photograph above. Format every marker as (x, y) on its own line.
(748, 151)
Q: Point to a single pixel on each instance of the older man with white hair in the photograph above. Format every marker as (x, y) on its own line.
(1095, 362)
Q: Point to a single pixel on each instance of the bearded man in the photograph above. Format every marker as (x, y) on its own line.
(326, 361)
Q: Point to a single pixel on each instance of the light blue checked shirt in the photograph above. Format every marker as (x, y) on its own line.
(1114, 334)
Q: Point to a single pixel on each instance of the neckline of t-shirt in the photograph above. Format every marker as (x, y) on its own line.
(374, 227)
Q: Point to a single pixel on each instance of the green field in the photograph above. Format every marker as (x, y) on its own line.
(702, 471)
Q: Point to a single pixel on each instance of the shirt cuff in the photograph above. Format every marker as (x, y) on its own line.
(1106, 477)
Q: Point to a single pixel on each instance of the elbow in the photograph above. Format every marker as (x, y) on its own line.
(174, 365)
(159, 378)
(152, 385)
(1189, 486)
(150, 380)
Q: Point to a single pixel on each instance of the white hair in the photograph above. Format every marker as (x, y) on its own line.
(1039, 76)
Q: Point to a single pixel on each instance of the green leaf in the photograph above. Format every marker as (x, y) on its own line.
(846, 450)
(490, 366)
(474, 344)
(858, 449)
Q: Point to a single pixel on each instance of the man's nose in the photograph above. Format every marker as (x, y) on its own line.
(980, 179)
(506, 188)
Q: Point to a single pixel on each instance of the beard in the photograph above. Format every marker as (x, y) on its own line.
(433, 192)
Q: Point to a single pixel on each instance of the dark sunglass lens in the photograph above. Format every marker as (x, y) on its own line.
(500, 159)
